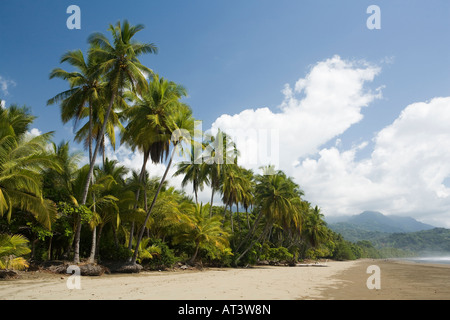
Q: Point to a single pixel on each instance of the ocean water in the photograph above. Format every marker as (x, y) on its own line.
(436, 260)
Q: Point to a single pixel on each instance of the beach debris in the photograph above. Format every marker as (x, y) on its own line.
(7, 274)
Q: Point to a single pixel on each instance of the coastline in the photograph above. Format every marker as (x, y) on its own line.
(400, 280)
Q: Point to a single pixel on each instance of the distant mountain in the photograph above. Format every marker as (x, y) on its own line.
(372, 225)
(382, 231)
(435, 241)
(376, 221)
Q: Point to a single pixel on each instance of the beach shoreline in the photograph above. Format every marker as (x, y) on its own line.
(346, 280)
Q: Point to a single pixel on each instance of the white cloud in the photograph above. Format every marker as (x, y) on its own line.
(321, 106)
(404, 175)
(406, 172)
(33, 133)
(5, 84)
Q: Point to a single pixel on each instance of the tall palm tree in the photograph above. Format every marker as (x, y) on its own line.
(119, 65)
(193, 171)
(316, 229)
(277, 198)
(118, 62)
(86, 87)
(179, 121)
(146, 127)
(220, 150)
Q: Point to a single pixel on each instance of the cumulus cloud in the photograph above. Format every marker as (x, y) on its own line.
(34, 132)
(405, 173)
(320, 107)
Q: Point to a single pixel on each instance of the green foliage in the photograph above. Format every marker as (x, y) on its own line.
(163, 256)
(108, 87)
(12, 248)
(71, 210)
(344, 251)
(276, 254)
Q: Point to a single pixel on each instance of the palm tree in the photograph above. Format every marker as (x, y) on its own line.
(58, 183)
(316, 229)
(91, 130)
(119, 65)
(22, 163)
(107, 188)
(201, 230)
(86, 88)
(220, 150)
(193, 171)
(277, 198)
(11, 250)
(147, 119)
(178, 122)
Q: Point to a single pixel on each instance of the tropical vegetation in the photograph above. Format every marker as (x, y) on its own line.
(56, 205)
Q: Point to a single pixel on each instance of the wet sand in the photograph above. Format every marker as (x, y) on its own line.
(399, 280)
(337, 281)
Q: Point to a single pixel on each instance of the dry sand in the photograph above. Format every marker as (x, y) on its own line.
(338, 280)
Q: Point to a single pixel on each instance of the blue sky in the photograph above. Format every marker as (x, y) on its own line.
(239, 55)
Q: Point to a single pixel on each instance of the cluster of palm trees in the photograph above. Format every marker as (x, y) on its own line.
(114, 91)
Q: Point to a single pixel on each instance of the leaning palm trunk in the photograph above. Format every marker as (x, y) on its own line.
(141, 179)
(141, 232)
(76, 257)
(212, 197)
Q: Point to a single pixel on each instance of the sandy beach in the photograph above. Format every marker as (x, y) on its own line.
(338, 280)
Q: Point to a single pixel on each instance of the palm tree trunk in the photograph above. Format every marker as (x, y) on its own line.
(130, 239)
(141, 233)
(76, 257)
(49, 253)
(90, 134)
(98, 241)
(141, 178)
(116, 240)
(192, 260)
(103, 150)
(250, 246)
(211, 206)
(251, 231)
(94, 234)
(93, 246)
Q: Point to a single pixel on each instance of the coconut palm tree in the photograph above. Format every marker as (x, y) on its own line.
(177, 130)
(201, 230)
(220, 150)
(23, 159)
(316, 229)
(146, 127)
(107, 188)
(86, 88)
(12, 247)
(118, 63)
(277, 198)
(193, 171)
